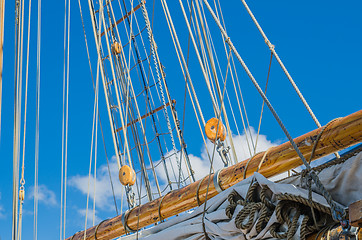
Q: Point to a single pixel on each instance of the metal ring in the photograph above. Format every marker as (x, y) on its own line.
(197, 191)
(159, 207)
(216, 181)
(124, 219)
(96, 230)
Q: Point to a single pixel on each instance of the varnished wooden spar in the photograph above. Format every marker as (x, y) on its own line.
(338, 135)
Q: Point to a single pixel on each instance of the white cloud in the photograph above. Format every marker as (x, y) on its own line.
(2, 210)
(200, 164)
(103, 190)
(90, 216)
(45, 195)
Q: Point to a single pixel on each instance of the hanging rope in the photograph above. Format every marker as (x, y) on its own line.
(262, 106)
(22, 180)
(272, 49)
(65, 119)
(37, 126)
(338, 213)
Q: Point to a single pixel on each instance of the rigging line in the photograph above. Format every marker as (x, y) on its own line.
(2, 23)
(188, 77)
(147, 100)
(186, 74)
(236, 94)
(237, 79)
(65, 117)
(262, 106)
(91, 153)
(15, 131)
(37, 125)
(209, 41)
(117, 95)
(102, 19)
(338, 212)
(213, 152)
(161, 76)
(97, 40)
(203, 68)
(100, 123)
(95, 150)
(193, 40)
(19, 9)
(272, 49)
(235, 90)
(21, 190)
(22, 180)
(62, 168)
(139, 116)
(156, 63)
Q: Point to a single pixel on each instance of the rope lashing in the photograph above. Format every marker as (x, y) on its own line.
(124, 220)
(197, 191)
(291, 211)
(260, 163)
(159, 207)
(96, 230)
(338, 213)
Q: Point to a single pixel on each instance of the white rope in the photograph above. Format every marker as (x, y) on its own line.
(95, 148)
(22, 180)
(2, 15)
(37, 126)
(272, 49)
(91, 153)
(186, 74)
(65, 119)
(17, 114)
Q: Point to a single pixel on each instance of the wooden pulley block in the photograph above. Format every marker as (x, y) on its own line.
(211, 128)
(127, 175)
(116, 48)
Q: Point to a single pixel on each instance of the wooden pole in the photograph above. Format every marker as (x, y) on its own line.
(338, 135)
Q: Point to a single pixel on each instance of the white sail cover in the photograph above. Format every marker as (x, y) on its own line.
(343, 181)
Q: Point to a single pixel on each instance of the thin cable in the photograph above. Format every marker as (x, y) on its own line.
(338, 213)
(22, 180)
(262, 106)
(37, 126)
(2, 15)
(65, 118)
(272, 49)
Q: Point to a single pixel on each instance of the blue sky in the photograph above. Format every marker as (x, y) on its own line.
(319, 42)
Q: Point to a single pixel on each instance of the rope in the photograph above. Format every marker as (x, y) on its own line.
(288, 210)
(37, 126)
(262, 106)
(260, 163)
(338, 213)
(65, 119)
(22, 180)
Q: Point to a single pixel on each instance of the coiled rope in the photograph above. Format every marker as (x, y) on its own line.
(288, 209)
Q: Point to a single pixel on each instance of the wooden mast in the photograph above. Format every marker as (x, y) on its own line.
(338, 135)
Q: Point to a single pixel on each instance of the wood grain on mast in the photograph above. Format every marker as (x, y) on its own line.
(338, 135)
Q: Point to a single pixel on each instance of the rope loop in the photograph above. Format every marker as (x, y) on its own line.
(159, 207)
(124, 220)
(96, 230)
(197, 191)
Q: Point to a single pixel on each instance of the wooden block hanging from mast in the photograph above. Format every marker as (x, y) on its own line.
(339, 135)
